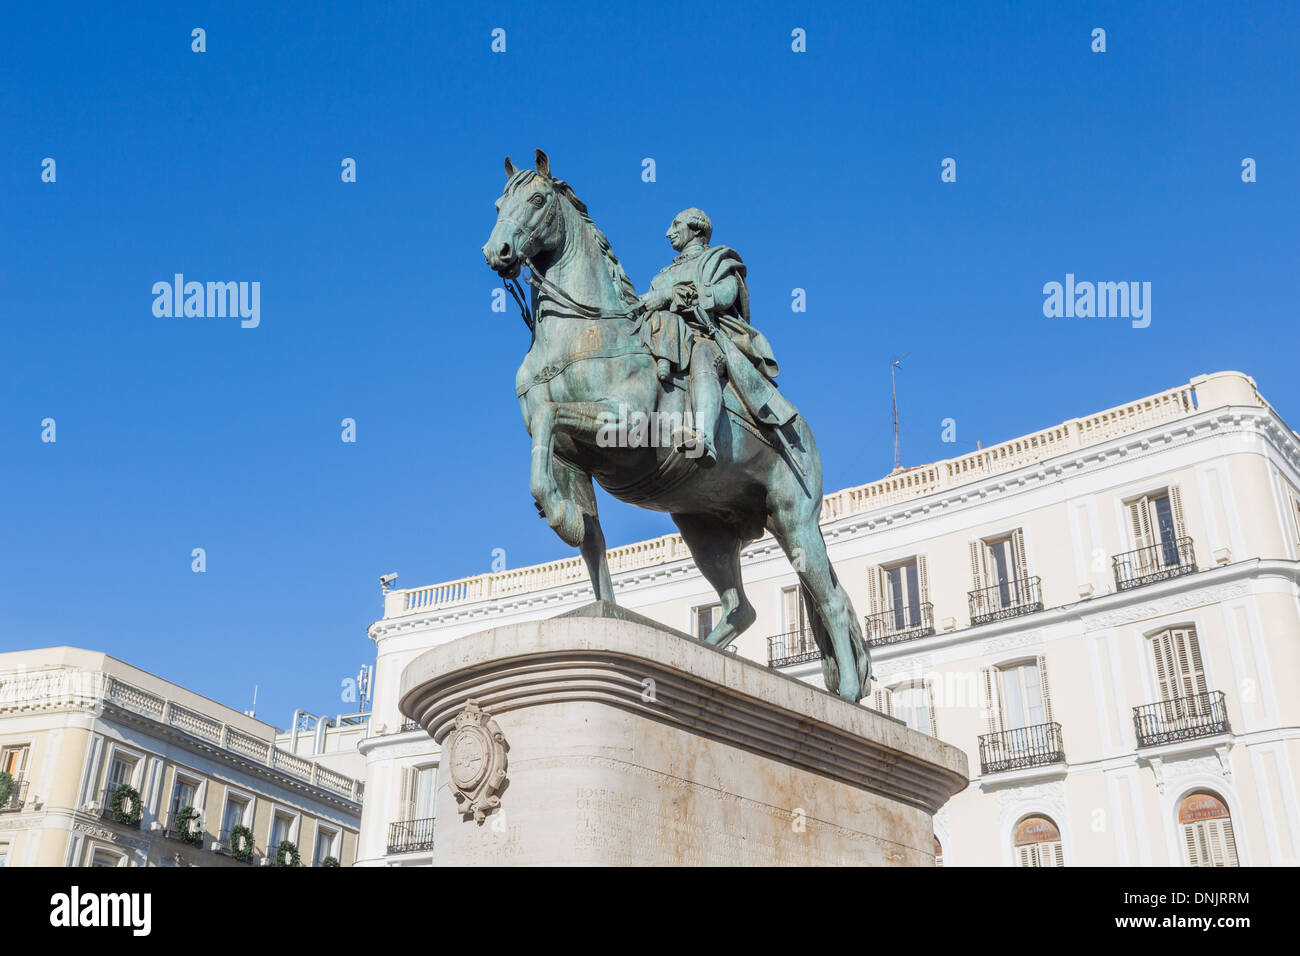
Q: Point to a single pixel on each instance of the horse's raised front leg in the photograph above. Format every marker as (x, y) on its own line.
(580, 422)
(716, 551)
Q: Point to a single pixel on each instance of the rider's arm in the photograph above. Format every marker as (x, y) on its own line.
(719, 296)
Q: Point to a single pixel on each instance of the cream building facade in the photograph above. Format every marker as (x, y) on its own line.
(1105, 615)
(100, 760)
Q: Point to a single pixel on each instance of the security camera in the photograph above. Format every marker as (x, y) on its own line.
(385, 580)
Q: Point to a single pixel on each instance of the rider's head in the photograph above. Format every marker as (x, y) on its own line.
(689, 224)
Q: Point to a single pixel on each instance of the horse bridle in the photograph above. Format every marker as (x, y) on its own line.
(545, 287)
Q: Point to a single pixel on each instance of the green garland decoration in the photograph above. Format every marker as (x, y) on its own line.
(6, 786)
(286, 854)
(330, 861)
(194, 837)
(241, 843)
(126, 804)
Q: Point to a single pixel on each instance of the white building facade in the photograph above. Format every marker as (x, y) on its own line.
(1105, 615)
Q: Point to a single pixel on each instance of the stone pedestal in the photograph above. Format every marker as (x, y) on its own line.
(604, 738)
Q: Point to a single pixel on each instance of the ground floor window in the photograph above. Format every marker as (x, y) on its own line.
(1207, 831)
(1038, 843)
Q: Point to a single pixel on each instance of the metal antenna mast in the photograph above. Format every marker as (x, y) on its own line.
(893, 388)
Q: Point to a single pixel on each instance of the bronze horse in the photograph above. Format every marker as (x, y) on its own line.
(589, 366)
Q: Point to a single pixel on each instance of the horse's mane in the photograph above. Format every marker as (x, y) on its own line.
(622, 283)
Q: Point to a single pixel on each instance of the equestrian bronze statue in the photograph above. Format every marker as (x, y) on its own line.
(668, 401)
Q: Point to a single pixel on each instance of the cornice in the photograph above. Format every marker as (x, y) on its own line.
(230, 758)
(1199, 427)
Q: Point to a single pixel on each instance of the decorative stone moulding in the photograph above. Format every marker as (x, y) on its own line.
(634, 744)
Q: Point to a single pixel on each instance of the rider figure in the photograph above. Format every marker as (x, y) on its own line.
(712, 279)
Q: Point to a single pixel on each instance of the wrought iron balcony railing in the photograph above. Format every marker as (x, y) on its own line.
(792, 647)
(1183, 718)
(17, 796)
(1006, 599)
(1156, 562)
(410, 836)
(1021, 748)
(408, 726)
(900, 624)
(106, 809)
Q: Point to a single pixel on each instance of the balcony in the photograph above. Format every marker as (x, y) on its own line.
(17, 797)
(1021, 748)
(1183, 718)
(1005, 600)
(792, 647)
(900, 624)
(106, 809)
(1157, 562)
(410, 836)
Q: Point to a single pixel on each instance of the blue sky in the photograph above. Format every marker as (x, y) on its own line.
(821, 168)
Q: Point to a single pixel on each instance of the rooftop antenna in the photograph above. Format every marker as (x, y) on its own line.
(893, 388)
(252, 711)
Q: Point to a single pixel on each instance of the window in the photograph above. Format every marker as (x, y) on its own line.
(121, 769)
(1156, 522)
(326, 844)
(794, 613)
(1177, 656)
(897, 594)
(4, 855)
(1000, 573)
(282, 825)
(1207, 831)
(1038, 843)
(910, 703)
(102, 857)
(419, 793)
(235, 814)
(1017, 695)
(184, 794)
(13, 760)
(938, 852)
(706, 618)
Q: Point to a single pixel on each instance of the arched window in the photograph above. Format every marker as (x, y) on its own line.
(938, 852)
(1207, 831)
(1038, 843)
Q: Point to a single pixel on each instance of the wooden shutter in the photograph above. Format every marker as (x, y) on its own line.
(793, 609)
(1021, 565)
(1191, 673)
(978, 564)
(876, 589)
(882, 701)
(1058, 854)
(992, 706)
(1176, 507)
(406, 796)
(1139, 519)
(1047, 696)
(929, 702)
(922, 580)
(1027, 856)
(1210, 843)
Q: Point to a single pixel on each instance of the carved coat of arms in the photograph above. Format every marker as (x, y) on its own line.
(476, 755)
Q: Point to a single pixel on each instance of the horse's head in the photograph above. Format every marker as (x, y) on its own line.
(528, 218)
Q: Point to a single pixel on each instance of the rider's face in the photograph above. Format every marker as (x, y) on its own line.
(679, 234)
